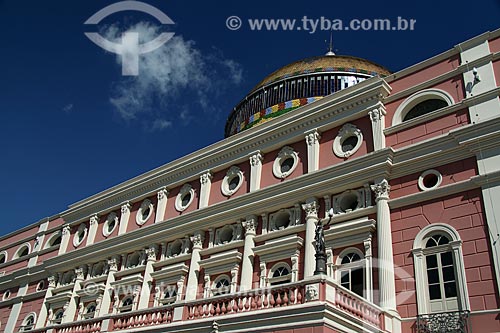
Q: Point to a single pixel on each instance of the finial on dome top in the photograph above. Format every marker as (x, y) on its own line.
(330, 47)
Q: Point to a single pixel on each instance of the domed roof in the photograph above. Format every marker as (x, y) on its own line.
(325, 63)
(298, 84)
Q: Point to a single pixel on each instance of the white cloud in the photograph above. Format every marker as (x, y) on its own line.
(160, 124)
(67, 108)
(169, 74)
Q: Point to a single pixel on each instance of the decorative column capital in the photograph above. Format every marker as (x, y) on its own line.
(256, 158)
(151, 252)
(66, 230)
(311, 207)
(52, 281)
(205, 177)
(113, 263)
(197, 240)
(312, 137)
(80, 272)
(377, 114)
(94, 219)
(381, 190)
(250, 224)
(162, 193)
(126, 207)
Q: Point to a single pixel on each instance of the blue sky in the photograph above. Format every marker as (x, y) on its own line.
(73, 125)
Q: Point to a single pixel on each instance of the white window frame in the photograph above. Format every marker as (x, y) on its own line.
(217, 280)
(417, 98)
(185, 189)
(360, 264)
(20, 248)
(139, 219)
(105, 228)
(233, 172)
(52, 238)
(81, 228)
(420, 251)
(25, 322)
(271, 279)
(421, 184)
(285, 153)
(346, 131)
(5, 255)
(126, 308)
(90, 315)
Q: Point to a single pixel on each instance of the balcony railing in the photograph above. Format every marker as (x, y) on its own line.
(444, 322)
(312, 290)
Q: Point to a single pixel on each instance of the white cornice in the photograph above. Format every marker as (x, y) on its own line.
(280, 248)
(328, 112)
(221, 263)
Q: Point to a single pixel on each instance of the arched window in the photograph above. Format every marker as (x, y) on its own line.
(54, 240)
(28, 322)
(421, 103)
(221, 286)
(351, 273)
(280, 273)
(90, 311)
(439, 270)
(23, 251)
(127, 304)
(3, 257)
(58, 317)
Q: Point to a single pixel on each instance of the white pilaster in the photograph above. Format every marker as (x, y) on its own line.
(250, 225)
(311, 208)
(377, 117)
(16, 310)
(312, 140)
(255, 170)
(112, 268)
(387, 284)
(206, 185)
(148, 279)
(65, 235)
(162, 205)
(94, 223)
(70, 311)
(125, 217)
(194, 267)
(42, 315)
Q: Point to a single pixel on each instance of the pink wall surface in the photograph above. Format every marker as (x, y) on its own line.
(215, 190)
(464, 212)
(496, 69)
(427, 130)
(495, 45)
(27, 308)
(268, 177)
(453, 86)
(171, 211)
(452, 173)
(25, 236)
(48, 255)
(132, 224)
(425, 74)
(4, 315)
(326, 155)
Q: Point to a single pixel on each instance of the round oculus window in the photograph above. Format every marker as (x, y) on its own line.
(145, 212)
(232, 181)
(184, 198)
(429, 180)
(348, 141)
(285, 163)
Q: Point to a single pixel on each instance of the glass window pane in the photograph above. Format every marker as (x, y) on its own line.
(344, 278)
(450, 289)
(446, 259)
(432, 276)
(449, 274)
(434, 292)
(431, 261)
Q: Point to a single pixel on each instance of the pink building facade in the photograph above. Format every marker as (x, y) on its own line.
(223, 239)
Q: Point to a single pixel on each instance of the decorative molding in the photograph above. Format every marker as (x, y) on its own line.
(233, 172)
(162, 193)
(377, 114)
(256, 158)
(346, 131)
(312, 137)
(311, 208)
(285, 153)
(206, 177)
